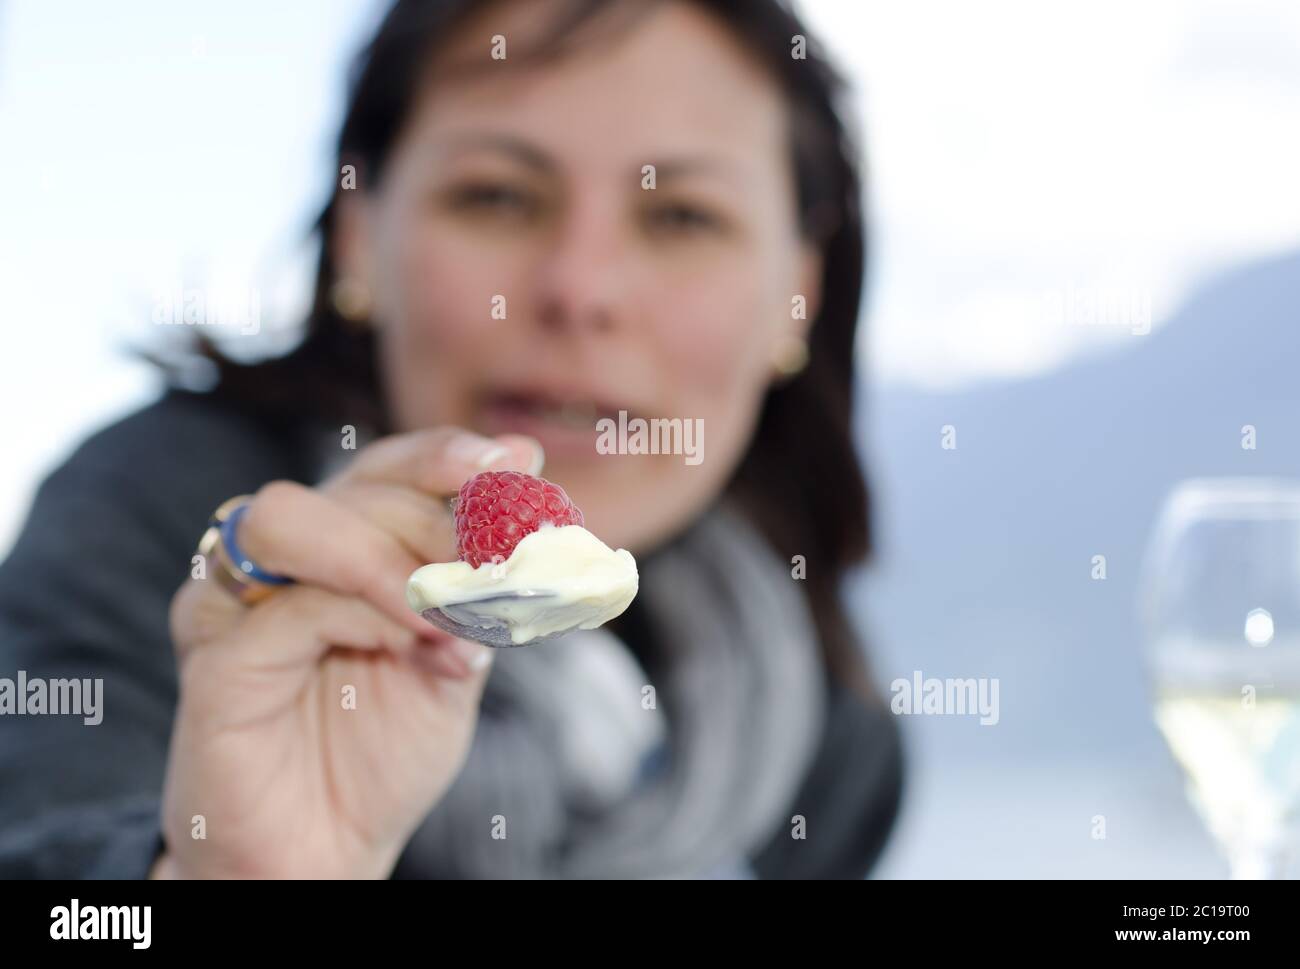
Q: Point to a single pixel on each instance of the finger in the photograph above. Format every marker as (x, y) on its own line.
(299, 532)
(296, 627)
(452, 659)
(421, 524)
(438, 461)
(269, 656)
(200, 612)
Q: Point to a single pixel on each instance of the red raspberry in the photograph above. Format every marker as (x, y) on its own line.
(496, 509)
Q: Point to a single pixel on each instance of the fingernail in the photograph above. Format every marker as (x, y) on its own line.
(475, 655)
(475, 450)
(492, 455)
(539, 458)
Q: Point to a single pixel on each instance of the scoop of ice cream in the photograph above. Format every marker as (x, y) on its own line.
(556, 579)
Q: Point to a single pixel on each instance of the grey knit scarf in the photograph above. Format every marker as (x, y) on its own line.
(583, 767)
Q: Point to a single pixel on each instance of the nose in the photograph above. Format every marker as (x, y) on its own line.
(582, 280)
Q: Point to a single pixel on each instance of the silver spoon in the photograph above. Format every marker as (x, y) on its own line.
(463, 621)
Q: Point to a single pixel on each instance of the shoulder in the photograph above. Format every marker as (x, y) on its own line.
(181, 429)
(850, 796)
(145, 484)
(181, 456)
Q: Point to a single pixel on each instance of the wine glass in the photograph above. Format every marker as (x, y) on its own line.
(1221, 605)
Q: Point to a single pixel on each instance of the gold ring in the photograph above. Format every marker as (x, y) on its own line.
(247, 588)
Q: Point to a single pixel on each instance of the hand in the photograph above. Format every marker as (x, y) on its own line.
(288, 780)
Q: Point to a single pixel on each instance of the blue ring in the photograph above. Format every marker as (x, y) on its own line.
(242, 562)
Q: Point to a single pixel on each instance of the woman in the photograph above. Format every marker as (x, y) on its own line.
(548, 214)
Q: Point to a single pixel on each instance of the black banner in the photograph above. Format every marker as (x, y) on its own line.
(905, 919)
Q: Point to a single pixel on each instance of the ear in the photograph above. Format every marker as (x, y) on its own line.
(351, 246)
(811, 265)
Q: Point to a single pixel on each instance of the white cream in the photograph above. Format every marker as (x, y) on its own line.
(555, 580)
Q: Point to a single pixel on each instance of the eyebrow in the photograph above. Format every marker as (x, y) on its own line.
(683, 167)
(517, 148)
(533, 157)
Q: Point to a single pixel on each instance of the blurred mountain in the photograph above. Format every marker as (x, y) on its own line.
(984, 552)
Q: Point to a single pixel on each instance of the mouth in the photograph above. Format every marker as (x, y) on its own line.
(564, 423)
(571, 414)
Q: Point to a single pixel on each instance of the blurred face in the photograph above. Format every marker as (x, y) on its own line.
(524, 278)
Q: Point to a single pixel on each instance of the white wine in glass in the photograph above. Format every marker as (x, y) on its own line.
(1221, 602)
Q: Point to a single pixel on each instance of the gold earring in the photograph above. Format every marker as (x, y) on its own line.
(790, 356)
(351, 299)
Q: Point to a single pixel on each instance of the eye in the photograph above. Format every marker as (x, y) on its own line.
(493, 198)
(682, 219)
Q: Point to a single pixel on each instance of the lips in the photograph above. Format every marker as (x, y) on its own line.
(575, 414)
(564, 421)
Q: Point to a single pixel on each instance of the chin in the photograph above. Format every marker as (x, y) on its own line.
(631, 502)
(629, 519)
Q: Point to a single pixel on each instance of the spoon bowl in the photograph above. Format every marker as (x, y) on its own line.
(468, 620)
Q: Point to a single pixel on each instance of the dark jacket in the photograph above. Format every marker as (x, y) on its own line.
(85, 594)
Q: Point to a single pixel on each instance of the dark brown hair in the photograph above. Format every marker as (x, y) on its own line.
(800, 479)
